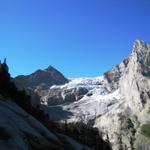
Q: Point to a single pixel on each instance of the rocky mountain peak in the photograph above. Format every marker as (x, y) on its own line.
(42, 78)
(140, 49)
(135, 80)
(139, 44)
(50, 68)
(139, 57)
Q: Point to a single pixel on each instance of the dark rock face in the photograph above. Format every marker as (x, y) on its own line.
(40, 82)
(54, 97)
(43, 78)
(113, 76)
(74, 94)
(81, 91)
(59, 96)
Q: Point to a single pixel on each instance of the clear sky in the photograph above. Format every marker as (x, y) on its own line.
(78, 37)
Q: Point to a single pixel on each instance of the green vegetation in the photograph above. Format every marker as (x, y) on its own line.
(145, 130)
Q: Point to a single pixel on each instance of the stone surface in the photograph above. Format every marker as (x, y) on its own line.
(41, 79)
(118, 103)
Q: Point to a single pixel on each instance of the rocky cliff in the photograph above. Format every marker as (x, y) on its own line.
(24, 126)
(118, 103)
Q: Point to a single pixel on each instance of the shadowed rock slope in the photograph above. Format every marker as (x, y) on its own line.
(41, 78)
(26, 127)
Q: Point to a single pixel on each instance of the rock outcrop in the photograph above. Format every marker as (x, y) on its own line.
(133, 112)
(24, 126)
(42, 79)
(118, 103)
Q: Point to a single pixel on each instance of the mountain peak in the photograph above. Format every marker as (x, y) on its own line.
(141, 52)
(49, 68)
(139, 61)
(48, 77)
(139, 43)
(139, 46)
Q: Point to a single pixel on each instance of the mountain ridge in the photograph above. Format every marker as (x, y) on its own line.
(46, 77)
(27, 127)
(120, 97)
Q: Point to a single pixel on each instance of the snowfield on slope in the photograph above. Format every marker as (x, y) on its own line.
(88, 108)
(89, 83)
(100, 102)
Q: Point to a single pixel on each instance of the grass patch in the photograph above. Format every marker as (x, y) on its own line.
(145, 130)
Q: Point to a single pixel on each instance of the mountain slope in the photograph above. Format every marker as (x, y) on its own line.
(21, 131)
(118, 103)
(43, 78)
(26, 127)
(19, 125)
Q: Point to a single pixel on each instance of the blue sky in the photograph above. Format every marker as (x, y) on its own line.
(78, 37)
